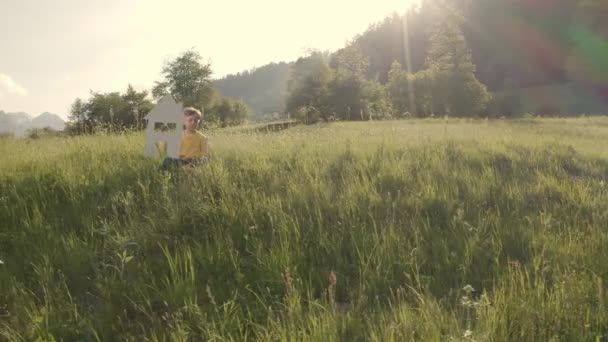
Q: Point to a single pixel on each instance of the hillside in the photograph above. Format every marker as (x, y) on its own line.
(515, 46)
(263, 88)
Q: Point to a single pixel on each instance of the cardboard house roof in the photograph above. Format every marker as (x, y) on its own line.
(167, 110)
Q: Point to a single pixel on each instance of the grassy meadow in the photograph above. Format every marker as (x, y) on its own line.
(418, 230)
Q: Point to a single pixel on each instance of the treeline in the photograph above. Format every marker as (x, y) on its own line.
(549, 57)
(187, 78)
(339, 87)
(546, 57)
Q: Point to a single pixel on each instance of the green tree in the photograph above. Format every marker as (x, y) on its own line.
(102, 108)
(223, 110)
(401, 38)
(188, 79)
(400, 88)
(240, 112)
(137, 105)
(229, 112)
(112, 111)
(424, 81)
(376, 100)
(352, 95)
(78, 119)
(347, 87)
(456, 90)
(308, 87)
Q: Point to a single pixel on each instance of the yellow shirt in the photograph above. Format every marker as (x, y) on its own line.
(194, 146)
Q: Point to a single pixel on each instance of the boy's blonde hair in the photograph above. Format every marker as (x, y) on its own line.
(189, 111)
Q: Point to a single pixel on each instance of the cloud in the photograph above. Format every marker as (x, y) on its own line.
(10, 87)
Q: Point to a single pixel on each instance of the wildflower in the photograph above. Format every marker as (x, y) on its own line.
(1, 262)
(460, 213)
(467, 333)
(210, 295)
(331, 290)
(288, 280)
(468, 289)
(333, 279)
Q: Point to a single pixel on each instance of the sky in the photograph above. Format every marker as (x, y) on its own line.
(53, 51)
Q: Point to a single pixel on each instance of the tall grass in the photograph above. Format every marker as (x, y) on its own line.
(391, 231)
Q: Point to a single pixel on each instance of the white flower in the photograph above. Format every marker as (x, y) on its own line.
(468, 289)
(468, 333)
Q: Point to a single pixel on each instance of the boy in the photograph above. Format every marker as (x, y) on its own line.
(194, 149)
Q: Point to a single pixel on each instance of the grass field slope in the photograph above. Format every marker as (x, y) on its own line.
(421, 230)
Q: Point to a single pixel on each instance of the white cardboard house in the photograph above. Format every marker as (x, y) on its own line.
(165, 122)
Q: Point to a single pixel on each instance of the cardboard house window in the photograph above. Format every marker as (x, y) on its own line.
(163, 135)
(164, 127)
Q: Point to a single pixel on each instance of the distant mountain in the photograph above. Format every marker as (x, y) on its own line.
(19, 123)
(263, 89)
(47, 119)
